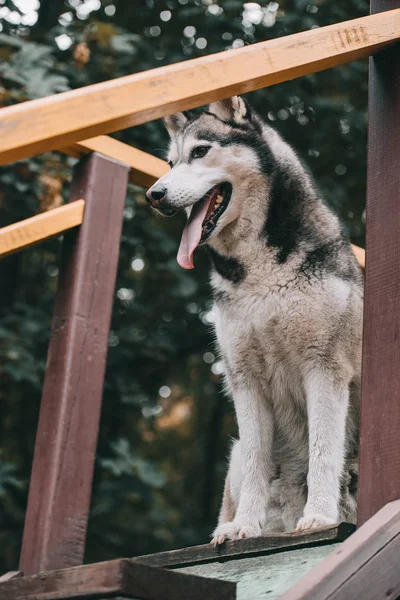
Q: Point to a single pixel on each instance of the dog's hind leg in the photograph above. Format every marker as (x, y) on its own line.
(233, 483)
(228, 509)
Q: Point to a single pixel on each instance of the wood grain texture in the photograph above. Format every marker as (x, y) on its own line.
(33, 127)
(117, 578)
(244, 548)
(145, 168)
(344, 569)
(40, 227)
(60, 487)
(379, 474)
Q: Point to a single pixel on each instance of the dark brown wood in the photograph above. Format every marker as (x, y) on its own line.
(379, 475)
(251, 547)
(117, 578)
(350, 571)
(60, 488)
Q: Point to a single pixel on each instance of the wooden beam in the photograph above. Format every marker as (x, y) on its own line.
(40, 227)
(145, 168)
(117, 578)
(379, 473)
(61, 480)
(64, 119)
(366, 565)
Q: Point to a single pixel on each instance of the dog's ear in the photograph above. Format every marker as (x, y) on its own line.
(174, 123)
(232, 109)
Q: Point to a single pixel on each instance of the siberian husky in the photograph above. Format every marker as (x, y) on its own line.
(288, 317)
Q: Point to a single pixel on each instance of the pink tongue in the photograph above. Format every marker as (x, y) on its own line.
(192, 233)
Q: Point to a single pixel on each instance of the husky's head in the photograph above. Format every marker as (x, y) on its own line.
(215, 159)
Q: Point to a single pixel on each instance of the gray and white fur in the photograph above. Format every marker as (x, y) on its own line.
(288, 319)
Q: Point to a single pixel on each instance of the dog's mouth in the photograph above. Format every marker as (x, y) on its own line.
(202, 221)
(219, 197)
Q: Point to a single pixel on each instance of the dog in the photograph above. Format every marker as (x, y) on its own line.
(288, 297)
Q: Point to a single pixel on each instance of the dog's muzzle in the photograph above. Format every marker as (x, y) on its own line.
(157, 198)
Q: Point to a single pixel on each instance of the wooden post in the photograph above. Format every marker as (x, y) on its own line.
(379, 476)
(61, 481)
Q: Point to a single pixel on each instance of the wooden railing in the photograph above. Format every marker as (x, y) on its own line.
(36, 126)
(56, 520)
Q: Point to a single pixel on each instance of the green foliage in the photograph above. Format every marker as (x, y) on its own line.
(165, 424)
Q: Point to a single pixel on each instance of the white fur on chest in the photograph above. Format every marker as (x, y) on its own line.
(268, 337)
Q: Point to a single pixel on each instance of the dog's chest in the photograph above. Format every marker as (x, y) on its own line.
(254, 334)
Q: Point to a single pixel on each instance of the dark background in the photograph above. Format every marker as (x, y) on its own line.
(165, 424)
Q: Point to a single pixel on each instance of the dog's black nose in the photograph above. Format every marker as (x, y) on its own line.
(156, 195)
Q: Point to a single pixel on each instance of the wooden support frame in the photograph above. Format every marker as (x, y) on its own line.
(31, 231)
(56, 520)
(365, 566)
(379, 472)
(116, 578)
(34, 127)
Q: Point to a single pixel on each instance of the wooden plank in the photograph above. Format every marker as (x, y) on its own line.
(60, 488)
(116, 578)
(146, 168)
(379, 474)
(40, 227)
(246, 547)
(33, 127)
(343, 568)
(378, 578)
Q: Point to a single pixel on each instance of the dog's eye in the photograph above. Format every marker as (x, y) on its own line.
(199, 151)
(171, 164)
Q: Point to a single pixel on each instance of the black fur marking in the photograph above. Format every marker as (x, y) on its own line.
(246, 137)
(220, 296)
(335, 258)
(227, 267)
(286, 222)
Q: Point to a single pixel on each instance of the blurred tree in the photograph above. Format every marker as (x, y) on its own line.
(165, 425)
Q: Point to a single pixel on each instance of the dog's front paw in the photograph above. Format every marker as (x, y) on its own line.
(314, 521)
(235, 530)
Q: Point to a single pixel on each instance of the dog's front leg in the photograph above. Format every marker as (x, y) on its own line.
(255, 423)
(327, 406)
